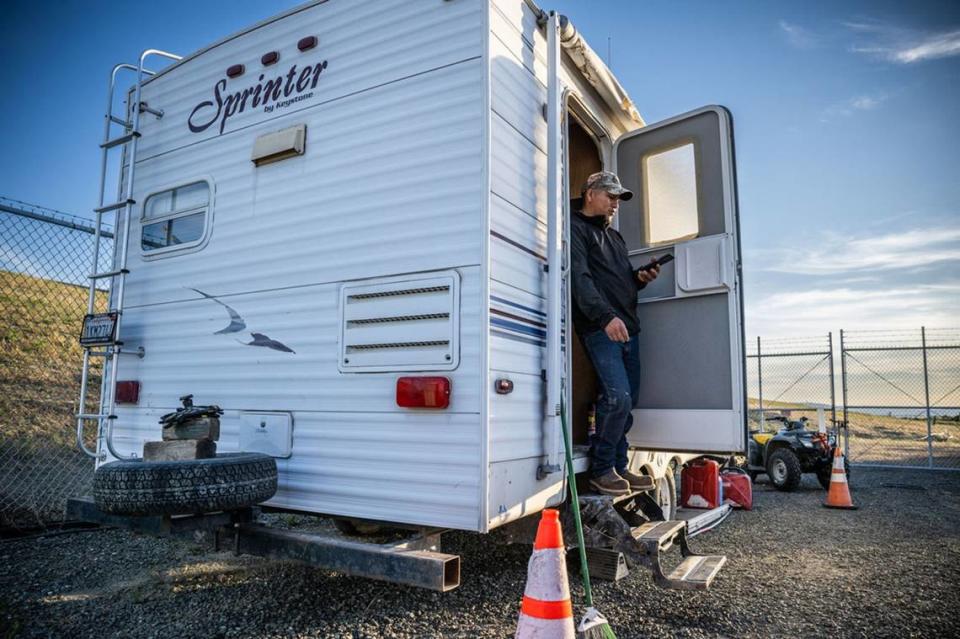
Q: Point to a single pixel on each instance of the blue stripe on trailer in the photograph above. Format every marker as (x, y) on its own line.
(518, 328)
(520, 306)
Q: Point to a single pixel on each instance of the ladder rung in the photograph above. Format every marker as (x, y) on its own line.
(99, 276)
(112, 344)
(114, 206)
(123, 139)
(95, 416)
(120, 121)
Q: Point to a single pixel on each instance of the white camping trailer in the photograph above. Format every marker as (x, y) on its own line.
(352, 194)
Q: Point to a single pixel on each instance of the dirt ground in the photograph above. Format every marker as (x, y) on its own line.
(889, 569)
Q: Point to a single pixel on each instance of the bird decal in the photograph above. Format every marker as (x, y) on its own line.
(259, 339)
(237, 324)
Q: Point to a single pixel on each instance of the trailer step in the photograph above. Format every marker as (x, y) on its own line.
(658, 535)
(694, 573)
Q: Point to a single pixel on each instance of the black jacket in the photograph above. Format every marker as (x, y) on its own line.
(605, 285)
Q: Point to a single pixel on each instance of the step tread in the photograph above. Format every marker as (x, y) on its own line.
(658, 532)
(700, 569)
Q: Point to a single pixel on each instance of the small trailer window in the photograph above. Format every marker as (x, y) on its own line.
(670, 188)
(175, 218)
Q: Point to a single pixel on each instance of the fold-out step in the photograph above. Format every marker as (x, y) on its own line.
(658, 533)
(695, 572)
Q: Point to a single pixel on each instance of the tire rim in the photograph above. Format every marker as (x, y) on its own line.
(665, 496)
(779, 474)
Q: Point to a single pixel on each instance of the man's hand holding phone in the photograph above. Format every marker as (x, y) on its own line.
(649, 272)
(647, 275)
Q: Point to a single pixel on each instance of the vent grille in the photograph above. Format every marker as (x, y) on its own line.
(400, 324)
(407, 291)
(399, 318)
(367, 347)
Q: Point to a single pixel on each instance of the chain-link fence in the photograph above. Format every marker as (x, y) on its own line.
(901, 390)
(45, 257)
(901, 393)
(792, 379)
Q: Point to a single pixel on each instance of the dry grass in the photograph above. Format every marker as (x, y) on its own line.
(40, 357)
(887, 439)
(40, 464)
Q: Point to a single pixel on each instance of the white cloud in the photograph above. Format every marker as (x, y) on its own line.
(865, 102)
(817, 311)
(903, 45)
(834, 254)
(848, 107)
(797, 36)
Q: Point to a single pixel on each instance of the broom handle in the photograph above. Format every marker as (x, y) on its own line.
(572, 482)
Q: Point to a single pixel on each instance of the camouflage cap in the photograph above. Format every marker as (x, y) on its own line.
(609, 182)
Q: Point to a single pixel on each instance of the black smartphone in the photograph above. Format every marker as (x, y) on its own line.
(660, 261)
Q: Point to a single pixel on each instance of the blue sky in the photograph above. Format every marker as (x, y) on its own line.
(847, 122)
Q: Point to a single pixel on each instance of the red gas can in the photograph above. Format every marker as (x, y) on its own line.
(700, 485)
(737, 488)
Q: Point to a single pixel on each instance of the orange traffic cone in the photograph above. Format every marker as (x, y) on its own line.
(839, 494)
(546, 612)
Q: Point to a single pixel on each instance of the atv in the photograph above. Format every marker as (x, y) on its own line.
(789, 452)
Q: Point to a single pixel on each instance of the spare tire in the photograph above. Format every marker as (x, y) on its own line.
(225, 482)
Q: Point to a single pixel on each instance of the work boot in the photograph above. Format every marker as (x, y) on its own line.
(637, 482)
(610, 483)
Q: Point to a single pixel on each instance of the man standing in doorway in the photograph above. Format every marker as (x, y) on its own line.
(605, 289)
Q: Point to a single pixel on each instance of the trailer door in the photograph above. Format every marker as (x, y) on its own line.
(682, 173)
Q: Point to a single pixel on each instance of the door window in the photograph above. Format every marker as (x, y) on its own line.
(670, 190)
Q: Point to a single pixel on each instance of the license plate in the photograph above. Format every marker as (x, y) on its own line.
(99, 329)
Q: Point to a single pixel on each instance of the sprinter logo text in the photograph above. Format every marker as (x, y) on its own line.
(278, 92)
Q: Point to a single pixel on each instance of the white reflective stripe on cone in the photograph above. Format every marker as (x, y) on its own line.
(534, 628)
(839, 477)
(547, 575)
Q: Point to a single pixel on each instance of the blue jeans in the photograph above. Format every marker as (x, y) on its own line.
(618, 372)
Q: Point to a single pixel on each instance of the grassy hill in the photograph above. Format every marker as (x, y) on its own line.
(40, 360)
(40, 356)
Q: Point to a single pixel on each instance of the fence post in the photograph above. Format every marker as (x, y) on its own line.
(926, 396)
(843, 385)
(760, 385)
(833, 391)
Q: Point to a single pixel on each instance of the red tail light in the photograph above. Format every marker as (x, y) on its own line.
(128, 392)
(423, 392)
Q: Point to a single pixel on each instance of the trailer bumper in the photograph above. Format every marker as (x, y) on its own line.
(415, 561)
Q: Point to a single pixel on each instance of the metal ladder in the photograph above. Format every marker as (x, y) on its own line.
(121, 209)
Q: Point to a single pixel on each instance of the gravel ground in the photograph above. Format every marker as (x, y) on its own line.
(892, 568)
